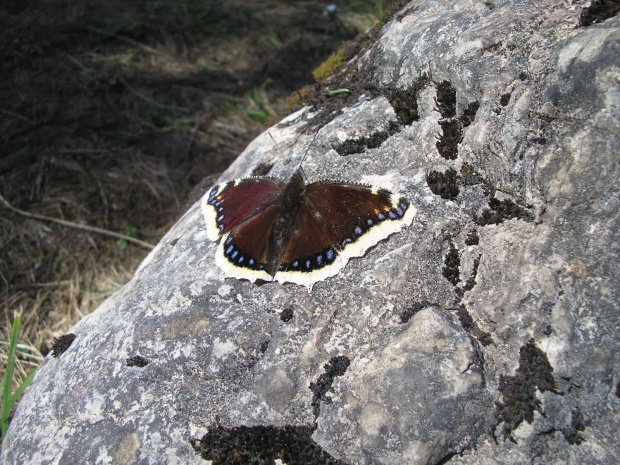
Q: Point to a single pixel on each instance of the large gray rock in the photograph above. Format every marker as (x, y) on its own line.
(487, 332)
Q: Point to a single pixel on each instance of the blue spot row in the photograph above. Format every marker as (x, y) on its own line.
(314, 262)
(237, 257)
(364, 226)
(213, 200)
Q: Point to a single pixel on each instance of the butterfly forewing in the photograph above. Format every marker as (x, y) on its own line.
(351, 210)
(235, 202)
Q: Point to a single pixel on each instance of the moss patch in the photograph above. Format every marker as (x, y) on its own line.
(405, 101)
(451, 126)
(443, 184)
(469, 113)
(329, 67)
(519, 391)
(352, 146)
(452, 262)
(412, 309)
(446, 99)
(61, 344)
(262, 445)
(572, 433)
(287, 314)
(472, 238)
(337, 366)
(451, 137)
(598, 11)
(502, 210)
(137, 361)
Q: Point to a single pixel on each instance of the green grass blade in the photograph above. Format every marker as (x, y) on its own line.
(22, 387)
(7, 380)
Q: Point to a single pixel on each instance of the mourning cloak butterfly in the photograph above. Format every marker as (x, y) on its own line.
(298, 233)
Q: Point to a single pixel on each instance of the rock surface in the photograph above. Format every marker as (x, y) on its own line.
(487, 332)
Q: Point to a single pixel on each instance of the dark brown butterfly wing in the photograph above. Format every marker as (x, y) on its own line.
(339, 221)
(231, 204)
(352, 210)
(243, 213)
(245, 251)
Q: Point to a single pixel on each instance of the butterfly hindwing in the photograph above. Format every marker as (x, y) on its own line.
(310, 256)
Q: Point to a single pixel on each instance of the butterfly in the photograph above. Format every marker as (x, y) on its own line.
(272, 230)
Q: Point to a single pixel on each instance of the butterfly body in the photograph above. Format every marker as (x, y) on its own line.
(298, 232)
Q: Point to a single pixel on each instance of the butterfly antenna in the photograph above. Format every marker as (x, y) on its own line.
(306, 153)
(301, 168)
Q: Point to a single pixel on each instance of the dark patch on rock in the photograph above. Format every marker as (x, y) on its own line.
(452, 261)
(446, 458)
(264, 346)
(451, 137)
(598, 11)
(262, 445)
(337, 366)
(519, 391)
(472, 238)
(287, 314)
(137, 361)
(446, 99)
(414, 308)
(358, 82)
(405, 101)
(572, 433)
(61, 344)
(504, 99)
(493, 46)
(469, 113)
(618, 390)
(469, 325)
(500, 211)
(547, 331)
(471, 281)
(443, 184)
(351, 146)
(539, 140)
(262, 169)
(451, 127)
